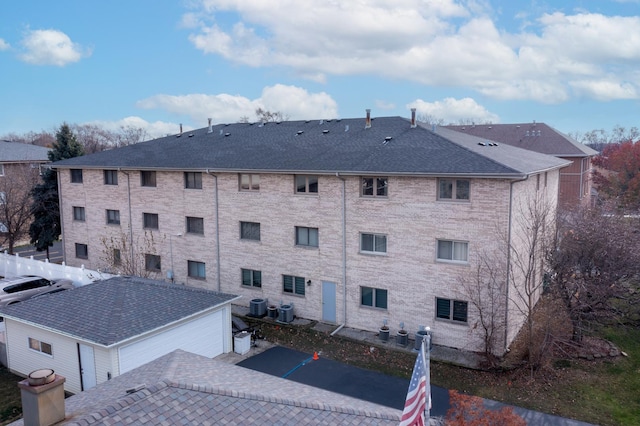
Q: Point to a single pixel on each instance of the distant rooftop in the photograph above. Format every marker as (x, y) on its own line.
(12, 152)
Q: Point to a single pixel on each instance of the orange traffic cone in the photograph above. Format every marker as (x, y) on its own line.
(315, 356)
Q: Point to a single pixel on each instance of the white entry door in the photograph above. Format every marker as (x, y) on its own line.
(87, 366)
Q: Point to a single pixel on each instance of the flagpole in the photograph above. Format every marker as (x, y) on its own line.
(426, 342)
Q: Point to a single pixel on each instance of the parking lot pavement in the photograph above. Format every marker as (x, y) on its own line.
(340, 378)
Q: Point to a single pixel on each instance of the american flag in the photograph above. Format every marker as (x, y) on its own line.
(419, 392)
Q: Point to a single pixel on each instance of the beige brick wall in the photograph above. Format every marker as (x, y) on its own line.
(411, 217)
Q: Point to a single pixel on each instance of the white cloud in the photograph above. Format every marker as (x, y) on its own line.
(154, 129)
(4, 45)
(50, 47)
(444, 42)
(293, 102)
(453, 111)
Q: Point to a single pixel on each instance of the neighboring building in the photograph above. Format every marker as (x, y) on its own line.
(575, 179)
(98, 331)
(184, 388)
(353, 221)
(20, 167)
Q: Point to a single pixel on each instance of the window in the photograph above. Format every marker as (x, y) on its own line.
(373, 243)
(3, 198)
(113, 217)
(78, 214)
(249, 182)
(455, 251)
(117, 257)
(196, 269)
(251, 278)
(150, 220)
(294, 285)
(39, 346)
(110, 177)
(454, 189)
(82, 251)
(250, 231)
(1, 169)
(195, 225)
(374, 297)
(148, 178)
(306, 236)
(193, 180)
(374, 186)
(76, 175)
(152, 262)
(306, 184)
(452, 310)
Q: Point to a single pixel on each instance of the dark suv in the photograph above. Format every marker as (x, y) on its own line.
(18, 289)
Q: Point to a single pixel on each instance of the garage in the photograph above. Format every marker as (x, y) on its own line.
(204, 336)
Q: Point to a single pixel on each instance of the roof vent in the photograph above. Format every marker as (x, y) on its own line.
(482, 143)
(190, 135)
(221, 132)
(346, 128)
(367, 122)
(321, 122)
(538, 132)
(325, 131)
(210, 126)
(300, 132)
(527, 134)
(227, 134)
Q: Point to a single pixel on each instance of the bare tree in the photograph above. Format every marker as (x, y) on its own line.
(597, 267)
(532, 236)
(15, 202)
(485, 289)
(120, 256)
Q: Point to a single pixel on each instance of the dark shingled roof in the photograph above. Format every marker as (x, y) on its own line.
(111, 311)
(537, 137)
(389, 146)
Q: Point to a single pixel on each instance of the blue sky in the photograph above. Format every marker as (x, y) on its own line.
(574, 65)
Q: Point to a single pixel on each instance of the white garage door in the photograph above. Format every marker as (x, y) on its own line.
(203, 336)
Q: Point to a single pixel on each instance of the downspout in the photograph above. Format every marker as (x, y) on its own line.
(344, 253)
(215, 186)
(130, 217)
(506, 305)
(64, 251)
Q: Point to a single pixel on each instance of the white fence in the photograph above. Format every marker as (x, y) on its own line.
(14, 265)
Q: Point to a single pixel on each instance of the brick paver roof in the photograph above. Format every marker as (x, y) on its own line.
(390, 146)
(110, 311)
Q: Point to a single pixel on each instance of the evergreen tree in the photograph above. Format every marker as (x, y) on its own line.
(45, 229)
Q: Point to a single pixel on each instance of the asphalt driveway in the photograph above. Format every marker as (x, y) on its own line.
(340, 378)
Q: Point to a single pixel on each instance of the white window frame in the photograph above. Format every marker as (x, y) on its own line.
(378, 184)
(454, 245)
(249, 182)
(306, 184)
(454, 190)
(452, 309)
(375, 243)
(374, 297)
(200, 269)
(305, 237)
(40, 346)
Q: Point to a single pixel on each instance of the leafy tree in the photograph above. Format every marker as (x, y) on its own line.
(45, 229)
(467, 410)
(618, 179)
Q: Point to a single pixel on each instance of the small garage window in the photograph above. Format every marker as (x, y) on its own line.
(40, 346)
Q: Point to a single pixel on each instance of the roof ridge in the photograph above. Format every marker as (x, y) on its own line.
(222, 391)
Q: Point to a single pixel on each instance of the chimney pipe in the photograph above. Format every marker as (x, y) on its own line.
(367, 123)
(42, 404)
(180, 128)
(210, 126)
(413, 118)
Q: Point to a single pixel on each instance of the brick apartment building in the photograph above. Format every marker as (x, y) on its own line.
(352, 221)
